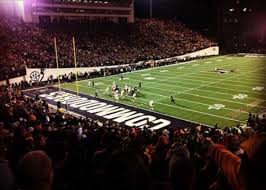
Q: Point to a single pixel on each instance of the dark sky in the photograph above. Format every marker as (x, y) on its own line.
(198, 12)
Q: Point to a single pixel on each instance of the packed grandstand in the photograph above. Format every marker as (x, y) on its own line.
(98, 44)
(49, 147)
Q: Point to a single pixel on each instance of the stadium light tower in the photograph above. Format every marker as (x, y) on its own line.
(150, 8)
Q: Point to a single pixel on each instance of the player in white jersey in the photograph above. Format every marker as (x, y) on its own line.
(129, 91)
(114, 87)
(134, 96)
(151, 104)
(126, 88)
(116, 95)
(122, 93)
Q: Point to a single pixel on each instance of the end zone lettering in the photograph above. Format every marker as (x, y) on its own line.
(107, 111)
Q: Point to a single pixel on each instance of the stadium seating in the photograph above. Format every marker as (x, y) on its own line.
(87, 154)
(98, 44)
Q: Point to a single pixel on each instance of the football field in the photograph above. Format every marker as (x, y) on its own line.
(221, 89)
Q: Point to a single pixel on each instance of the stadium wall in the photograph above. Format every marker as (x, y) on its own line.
(61, 71)
(201, 53)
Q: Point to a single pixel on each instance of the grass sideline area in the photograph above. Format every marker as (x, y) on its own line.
(221, 89)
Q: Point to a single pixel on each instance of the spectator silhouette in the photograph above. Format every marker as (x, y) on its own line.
(247, 173)
(35, 171)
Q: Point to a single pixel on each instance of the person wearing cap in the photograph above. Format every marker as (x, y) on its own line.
(248, 172)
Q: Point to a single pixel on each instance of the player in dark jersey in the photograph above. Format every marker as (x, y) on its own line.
(172, 99)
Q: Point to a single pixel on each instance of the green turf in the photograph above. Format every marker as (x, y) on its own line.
(195, 86)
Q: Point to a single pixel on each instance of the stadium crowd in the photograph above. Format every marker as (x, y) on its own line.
(97, 44)
(47, 148)
(258, 50)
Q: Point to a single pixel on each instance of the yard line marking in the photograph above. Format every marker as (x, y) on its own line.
(199, 72)
(173, 66)
(207, 97)
(144, 75)
(142, 70)
(195, 84)
(217, 82)
(171, 85)
(207, 78)
(225, 79)
(188, 74)
(195, 72)
(195, 65)
(195, 122)
(180, 99)
(176, 106)
(155, 68)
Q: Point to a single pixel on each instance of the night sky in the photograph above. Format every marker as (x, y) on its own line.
(192, 11)
(197, 14)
